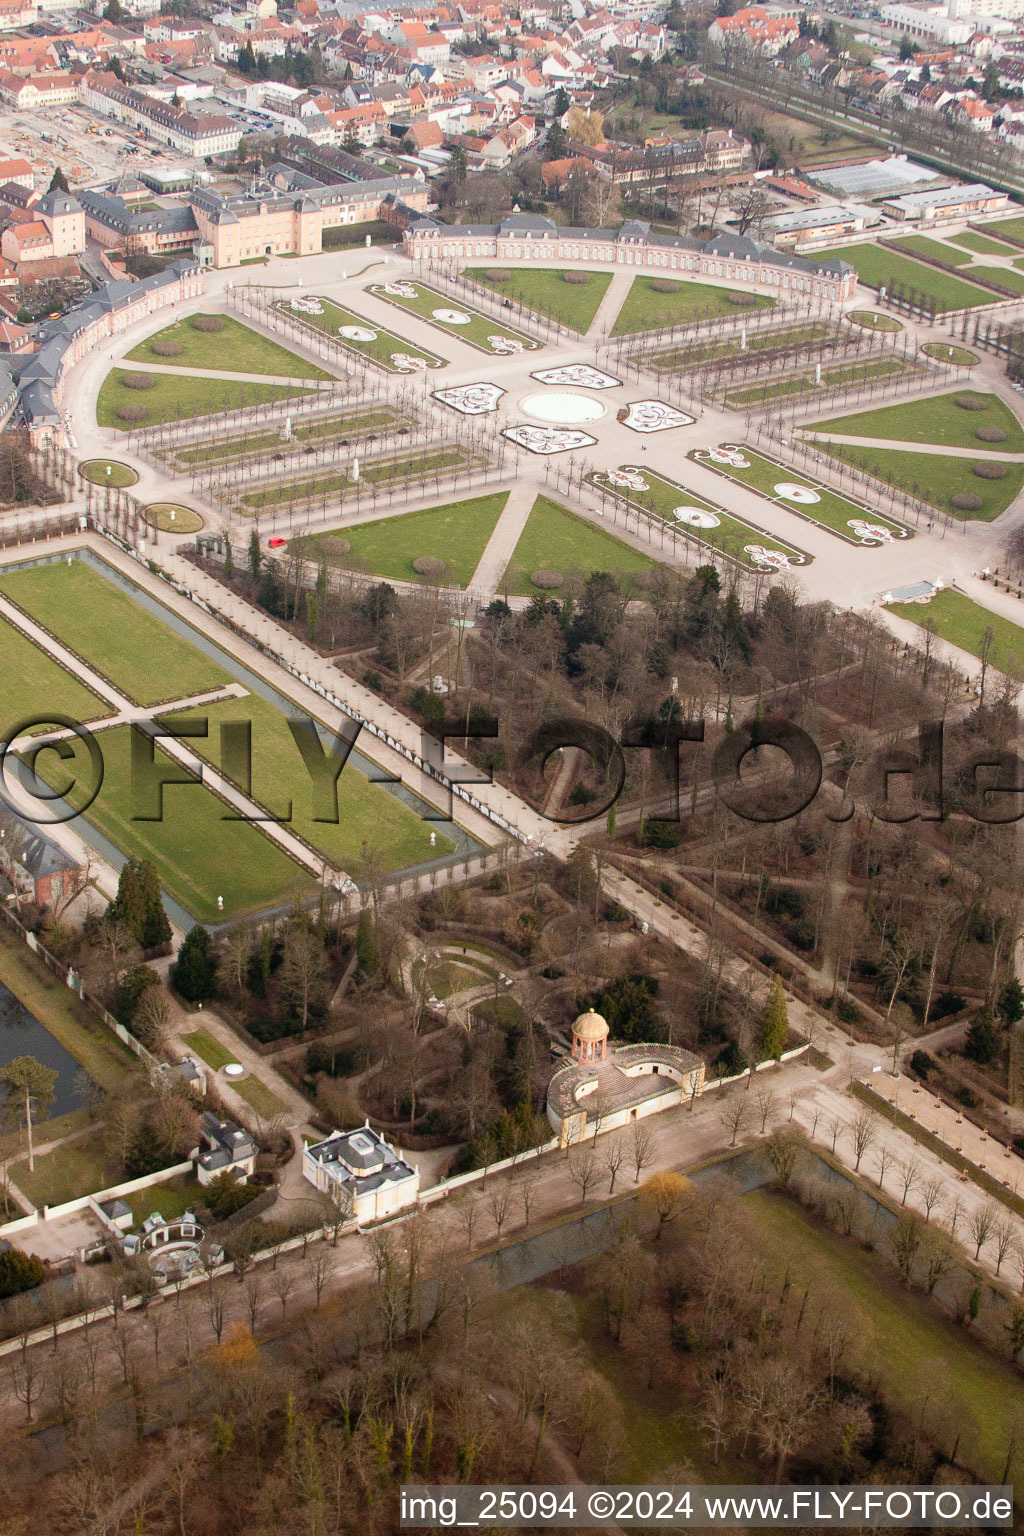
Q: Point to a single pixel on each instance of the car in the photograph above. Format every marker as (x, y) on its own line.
(276, 543)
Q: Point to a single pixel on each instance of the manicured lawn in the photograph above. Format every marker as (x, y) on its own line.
(172, 1199)
(180, 397)
(698, 353)
(935, 250)
(895, 1335)
(235, 348)
(647, 310)
(962, 621)
(830, 511)
(95, 470)
(831, 378)
(878, 267)
(209, 1048)
(320, 487)
(935, 478)
(172, 517)
(949, 354)
(256, 1093)
(731, 536)
(555, 539)
(1012, 228)
(545, 290)
(32, 683)
(456, 533)
(487, 335)
(873, 320)
(982, 245)
(144, 658)
(352, 424)
(382, 347)
(939, 420)
(1006, 277)
(80, 1167)
(198, 852)
(366, 812)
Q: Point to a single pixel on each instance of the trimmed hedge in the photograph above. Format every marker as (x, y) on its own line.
(966, 501)
(989, 471)
(133, 413)
(429, 565)
(971, 403)
(660, 285)
(991, 435)
(165, 347)
(579, 278)
(548, 581)
(139, 381)
(741, 300)
(207, 323)
(498, 275)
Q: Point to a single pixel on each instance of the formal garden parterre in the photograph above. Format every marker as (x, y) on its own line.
(454, 317)
(363, 337)
(708, 525)
(837, 514)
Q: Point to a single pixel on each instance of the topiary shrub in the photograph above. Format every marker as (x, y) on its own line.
(429, 565)
(133, 413)
(164, 347)
(547, 580)
(966, 501)
(990, 435)
(498, 275)
(660, 285)
(207, 323)
(139, 381)
(741, 300)
(578, 278)
(989, 471)
(971, 403)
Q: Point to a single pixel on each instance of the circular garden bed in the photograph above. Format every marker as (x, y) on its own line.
(96, 471)
(872, 320)
(172, 517)
(944, 353)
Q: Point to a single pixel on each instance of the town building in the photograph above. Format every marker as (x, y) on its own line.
(361, 1173)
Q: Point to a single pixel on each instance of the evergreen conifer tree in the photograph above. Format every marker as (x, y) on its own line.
(195, 974)
(156, 929)
(129, 905)
(774, 1031)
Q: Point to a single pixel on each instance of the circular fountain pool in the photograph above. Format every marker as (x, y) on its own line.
(560, 408)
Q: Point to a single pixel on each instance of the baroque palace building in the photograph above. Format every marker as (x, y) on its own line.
(734, 258)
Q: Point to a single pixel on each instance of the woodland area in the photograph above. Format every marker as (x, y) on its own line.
(680, 1355)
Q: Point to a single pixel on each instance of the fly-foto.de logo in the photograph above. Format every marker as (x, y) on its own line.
(767, 769)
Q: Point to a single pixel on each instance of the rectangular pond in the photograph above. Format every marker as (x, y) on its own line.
(21, 1034)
